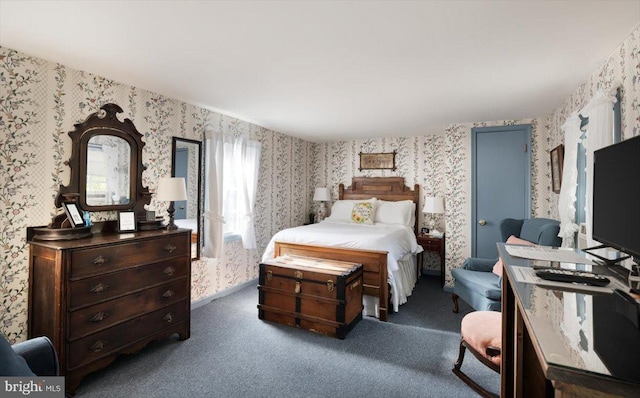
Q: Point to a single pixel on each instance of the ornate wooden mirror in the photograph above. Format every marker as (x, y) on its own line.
(186, 162)
(106, 166)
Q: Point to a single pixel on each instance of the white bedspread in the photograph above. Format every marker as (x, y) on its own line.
(398, 240)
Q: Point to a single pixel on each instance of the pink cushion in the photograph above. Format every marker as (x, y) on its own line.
(481, 329)
(514, 240)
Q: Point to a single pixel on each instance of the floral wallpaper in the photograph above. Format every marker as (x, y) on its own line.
(622, 69)
(41, 101)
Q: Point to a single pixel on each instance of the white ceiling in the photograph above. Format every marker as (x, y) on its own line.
(334, 70)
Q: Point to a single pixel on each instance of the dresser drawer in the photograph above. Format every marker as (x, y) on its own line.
(103, 343)
(101, 316)
(109, 258)
(103, 287)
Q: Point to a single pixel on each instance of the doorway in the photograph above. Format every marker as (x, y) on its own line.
(501, 183)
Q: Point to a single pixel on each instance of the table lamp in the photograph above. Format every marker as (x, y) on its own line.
(321, 195)
(171, 189)
(433, 205)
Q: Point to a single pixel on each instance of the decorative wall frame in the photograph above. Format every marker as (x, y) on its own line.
(557, 160)
(378, 161)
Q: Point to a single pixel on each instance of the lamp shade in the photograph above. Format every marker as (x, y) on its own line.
(322, 194)
(171, 189)
(433, 205)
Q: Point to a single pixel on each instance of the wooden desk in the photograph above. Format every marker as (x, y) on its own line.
(432, 244)
(564, 342)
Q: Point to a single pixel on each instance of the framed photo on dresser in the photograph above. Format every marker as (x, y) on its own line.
(126, 221)
(73, 214)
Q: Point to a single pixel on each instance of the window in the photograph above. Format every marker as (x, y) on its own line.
(581, 189)
(230, 183)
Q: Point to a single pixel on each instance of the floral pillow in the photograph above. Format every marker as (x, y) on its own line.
(363, 212)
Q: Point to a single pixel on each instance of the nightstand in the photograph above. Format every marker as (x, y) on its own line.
(432, 244)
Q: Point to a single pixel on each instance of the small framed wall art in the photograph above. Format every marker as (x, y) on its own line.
(126, 221)
(378, 161)
(557, 159)
(73, 214)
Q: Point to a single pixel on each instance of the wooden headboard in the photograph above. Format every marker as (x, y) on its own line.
(385, 188)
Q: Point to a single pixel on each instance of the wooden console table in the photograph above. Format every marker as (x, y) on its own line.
(564, 342)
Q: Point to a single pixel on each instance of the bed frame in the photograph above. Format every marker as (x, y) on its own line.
(373, 261)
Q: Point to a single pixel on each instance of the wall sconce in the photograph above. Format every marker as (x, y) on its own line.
(433, 205)
(321, 195)
(171, 189)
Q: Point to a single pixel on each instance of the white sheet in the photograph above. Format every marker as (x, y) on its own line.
(190, 223)
(398, 240)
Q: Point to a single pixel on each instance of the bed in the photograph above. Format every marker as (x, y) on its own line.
(190, 223)
(389, 264)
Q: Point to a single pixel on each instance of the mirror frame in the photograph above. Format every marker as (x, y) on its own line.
(174, 147)
(105, 122)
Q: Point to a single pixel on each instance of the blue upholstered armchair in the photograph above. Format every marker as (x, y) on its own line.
(35, 356)
(475, 282)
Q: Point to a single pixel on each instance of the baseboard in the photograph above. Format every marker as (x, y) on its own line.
(222, 293)
(431, 272)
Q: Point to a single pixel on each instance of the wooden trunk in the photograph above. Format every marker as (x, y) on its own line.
(324, 296)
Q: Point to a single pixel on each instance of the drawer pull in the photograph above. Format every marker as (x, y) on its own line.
(100, 316)
(169, 271)
(298, 288)
(100, 260)
(170, 248)
(168, 318)
(98, 346)
(330, 285)
(99, 288)
(269, 275)
(168, 293)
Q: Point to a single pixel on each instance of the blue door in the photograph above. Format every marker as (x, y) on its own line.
(501, 183)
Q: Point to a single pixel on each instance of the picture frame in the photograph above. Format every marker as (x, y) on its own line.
(378, 161)
(73, 214)
(424, 230)
(557, 160)
(126, 221)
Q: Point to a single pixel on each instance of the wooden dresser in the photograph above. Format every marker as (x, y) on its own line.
(99, 297)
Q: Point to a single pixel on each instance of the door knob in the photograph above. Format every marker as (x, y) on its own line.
(482, 222)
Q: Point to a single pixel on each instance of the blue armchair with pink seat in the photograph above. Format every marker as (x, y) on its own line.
(477, 285)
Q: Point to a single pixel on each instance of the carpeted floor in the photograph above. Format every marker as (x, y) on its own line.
(231, 353)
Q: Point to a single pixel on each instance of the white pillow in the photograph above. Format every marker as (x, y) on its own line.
(400, 212)
(341, 209)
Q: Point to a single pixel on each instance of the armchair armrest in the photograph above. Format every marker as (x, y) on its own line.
(479, 264)
(40, 355)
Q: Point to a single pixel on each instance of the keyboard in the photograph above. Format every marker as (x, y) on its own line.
(572, 276)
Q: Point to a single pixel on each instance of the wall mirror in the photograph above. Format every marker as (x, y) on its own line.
(106, 166)
(186, 162)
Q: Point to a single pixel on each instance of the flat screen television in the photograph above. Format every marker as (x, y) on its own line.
(616, 196)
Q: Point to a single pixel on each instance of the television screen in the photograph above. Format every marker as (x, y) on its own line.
(616, 196)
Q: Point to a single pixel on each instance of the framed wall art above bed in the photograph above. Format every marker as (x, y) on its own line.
(378, 161)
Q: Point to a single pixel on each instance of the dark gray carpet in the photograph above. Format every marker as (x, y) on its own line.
(231, 353)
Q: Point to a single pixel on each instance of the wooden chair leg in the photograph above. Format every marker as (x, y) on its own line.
(454, 297)
(458, 364)
(468, 381)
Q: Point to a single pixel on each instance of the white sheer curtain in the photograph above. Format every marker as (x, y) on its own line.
(248, 163)
(567, 198)
(599, 134)
(213, 195)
